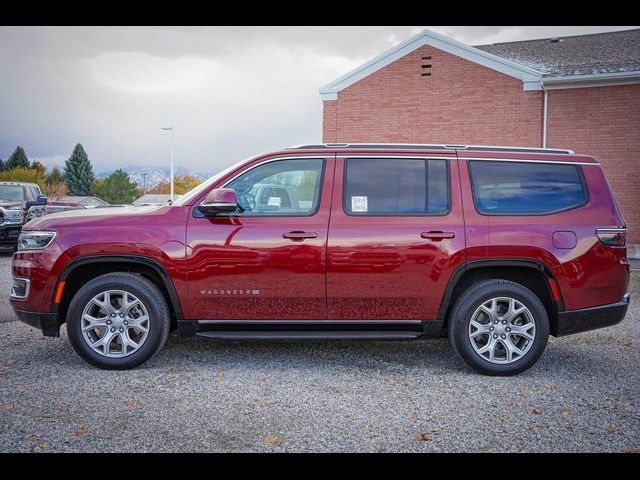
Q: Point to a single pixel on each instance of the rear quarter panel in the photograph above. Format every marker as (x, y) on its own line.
(590, 274)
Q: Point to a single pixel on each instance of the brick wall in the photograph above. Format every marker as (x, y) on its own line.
(603, 122)
(463, 102)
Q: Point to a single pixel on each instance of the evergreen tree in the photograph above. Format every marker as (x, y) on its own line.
(116, 188)
(55, 176)
(78, 172)
(18, 159)
(3, 166)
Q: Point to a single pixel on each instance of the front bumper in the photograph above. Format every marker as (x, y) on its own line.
(46, 322)
(576, 321)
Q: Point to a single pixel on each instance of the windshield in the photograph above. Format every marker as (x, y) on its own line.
(190, 195)
(11, 193)
(93, 202)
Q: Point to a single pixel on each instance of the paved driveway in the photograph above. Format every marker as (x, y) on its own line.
(584, 395)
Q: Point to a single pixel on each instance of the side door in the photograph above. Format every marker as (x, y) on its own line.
(268, 262)
(395, 237)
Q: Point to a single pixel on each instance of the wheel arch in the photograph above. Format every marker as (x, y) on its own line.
(82, 269)
(532, 274)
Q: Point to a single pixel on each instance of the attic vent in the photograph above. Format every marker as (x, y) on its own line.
(556, 40)
(425, 67)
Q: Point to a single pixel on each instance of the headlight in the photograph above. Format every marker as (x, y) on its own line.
(35, 240)
(11, 216)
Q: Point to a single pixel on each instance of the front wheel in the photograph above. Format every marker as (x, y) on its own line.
(118, 321)
(499, 327)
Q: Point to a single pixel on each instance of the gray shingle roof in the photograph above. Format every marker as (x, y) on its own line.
(580, 55)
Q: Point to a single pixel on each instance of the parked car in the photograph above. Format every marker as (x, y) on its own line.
(151, 199)
(496, 247)
(57, 206)
(85, 201)
(19, 203)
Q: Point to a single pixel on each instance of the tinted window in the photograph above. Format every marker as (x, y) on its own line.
(525, 188)
(380, 186)
(283, 187)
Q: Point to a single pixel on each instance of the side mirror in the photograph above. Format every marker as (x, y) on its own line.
(218, 201)
(40, 200)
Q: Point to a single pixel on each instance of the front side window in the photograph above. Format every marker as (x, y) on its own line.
(396, 186)
(512, 188)
(282, 187)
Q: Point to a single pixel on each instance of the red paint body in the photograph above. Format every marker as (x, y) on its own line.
(356, 267)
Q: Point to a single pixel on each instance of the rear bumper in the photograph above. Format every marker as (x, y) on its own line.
(46, 322)
(577, 321)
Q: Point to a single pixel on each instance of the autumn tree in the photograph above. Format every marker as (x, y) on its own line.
(55, 185)
(21, 174)
(55, 176)
(181, 185)
(36, 165)
(55, 190)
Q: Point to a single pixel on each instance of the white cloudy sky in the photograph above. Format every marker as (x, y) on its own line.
(231, 92)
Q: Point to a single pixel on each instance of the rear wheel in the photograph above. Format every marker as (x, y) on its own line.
(118, 321)
(499, 327)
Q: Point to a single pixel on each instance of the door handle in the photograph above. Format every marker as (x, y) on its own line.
(437, 235)
(299, 235)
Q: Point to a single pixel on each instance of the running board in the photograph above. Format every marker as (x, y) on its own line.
(310, 335)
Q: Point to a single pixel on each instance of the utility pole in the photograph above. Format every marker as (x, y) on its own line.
(144, 183)
(171, 129)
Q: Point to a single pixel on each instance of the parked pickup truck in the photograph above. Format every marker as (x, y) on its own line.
(19, 203)
(496, 247)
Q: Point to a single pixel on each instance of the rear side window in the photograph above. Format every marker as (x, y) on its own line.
(525, 188)
(396, 186)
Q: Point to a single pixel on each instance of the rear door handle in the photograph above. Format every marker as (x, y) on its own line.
(299, 235)
(437, 235)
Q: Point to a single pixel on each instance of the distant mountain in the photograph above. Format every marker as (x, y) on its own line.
(155, 175)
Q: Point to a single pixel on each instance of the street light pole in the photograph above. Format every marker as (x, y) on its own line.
(171, 128)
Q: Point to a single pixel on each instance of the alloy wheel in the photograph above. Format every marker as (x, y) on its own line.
(502, 330)
(115, 323)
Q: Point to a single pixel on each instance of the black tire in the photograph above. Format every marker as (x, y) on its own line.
(478, 294)
(147, 293)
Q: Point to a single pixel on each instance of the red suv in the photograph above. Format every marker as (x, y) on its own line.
(497, 247)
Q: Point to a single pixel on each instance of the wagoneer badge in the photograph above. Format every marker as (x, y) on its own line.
(228, 292)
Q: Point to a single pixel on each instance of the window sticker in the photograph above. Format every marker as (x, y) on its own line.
(359, 204)
(274, 201)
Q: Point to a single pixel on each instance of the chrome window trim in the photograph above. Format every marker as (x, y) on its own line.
(297, 157)
(399, 157)
(612, 230)
(523, 160)
(445, 213)
(322, 158)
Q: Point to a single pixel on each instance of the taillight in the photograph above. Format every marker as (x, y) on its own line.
(612, 237)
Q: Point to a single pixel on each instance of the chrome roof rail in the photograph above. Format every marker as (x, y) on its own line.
(426, 146)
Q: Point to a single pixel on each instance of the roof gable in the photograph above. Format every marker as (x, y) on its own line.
(611, 58)
(528, 75)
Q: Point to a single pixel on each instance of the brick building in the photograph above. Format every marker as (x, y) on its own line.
(581, 93)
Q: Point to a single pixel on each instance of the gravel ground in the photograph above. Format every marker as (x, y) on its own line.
(199, 395)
